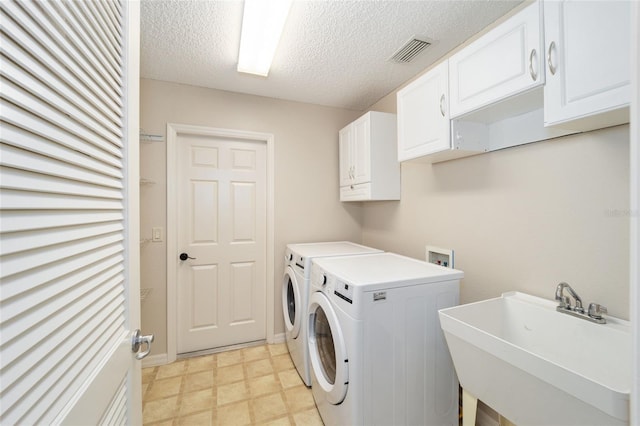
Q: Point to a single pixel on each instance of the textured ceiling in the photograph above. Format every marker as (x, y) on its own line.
(332, 52)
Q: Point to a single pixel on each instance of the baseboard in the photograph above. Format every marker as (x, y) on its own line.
(162, 359)
(155, 360)
(483, 418)
(277, 338)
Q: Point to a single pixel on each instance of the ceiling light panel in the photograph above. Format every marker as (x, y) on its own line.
(262, 25)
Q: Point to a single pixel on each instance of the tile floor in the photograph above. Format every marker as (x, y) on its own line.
(257, 385)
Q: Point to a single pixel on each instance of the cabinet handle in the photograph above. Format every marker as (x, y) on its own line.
(532, 72)
(552, 69)
(442, 104)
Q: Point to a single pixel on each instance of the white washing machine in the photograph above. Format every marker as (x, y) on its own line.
(295, 293)
(378, 355)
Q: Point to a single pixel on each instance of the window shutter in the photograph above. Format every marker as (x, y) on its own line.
(62, 288)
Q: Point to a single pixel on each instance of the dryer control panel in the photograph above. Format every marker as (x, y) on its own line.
(344, 291)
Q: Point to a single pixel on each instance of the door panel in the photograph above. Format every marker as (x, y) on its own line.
(242, 283)
(204, 205)
(221, 291)
(205, 287)
(243, 211)
(69, 197)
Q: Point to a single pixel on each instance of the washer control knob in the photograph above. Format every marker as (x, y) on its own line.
(324, 280)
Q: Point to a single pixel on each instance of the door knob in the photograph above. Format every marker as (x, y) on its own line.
(185, 256)
(137, 340)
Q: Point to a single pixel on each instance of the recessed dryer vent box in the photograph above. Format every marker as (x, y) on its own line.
(440, 256)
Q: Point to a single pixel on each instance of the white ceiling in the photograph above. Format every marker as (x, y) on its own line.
(332, 52)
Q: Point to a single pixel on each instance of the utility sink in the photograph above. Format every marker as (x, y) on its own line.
(537, 366)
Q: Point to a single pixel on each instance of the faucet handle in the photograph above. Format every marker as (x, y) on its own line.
(596, 311)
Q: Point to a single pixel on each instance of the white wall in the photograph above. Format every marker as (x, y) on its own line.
(523, 218)
(307, 206)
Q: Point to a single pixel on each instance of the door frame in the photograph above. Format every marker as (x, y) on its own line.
(634, 273)
(173, 130)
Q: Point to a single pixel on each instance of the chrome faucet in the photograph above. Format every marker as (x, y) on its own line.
(564, 300)
(594, 313)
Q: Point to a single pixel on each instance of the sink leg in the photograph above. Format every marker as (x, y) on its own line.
(469, 407)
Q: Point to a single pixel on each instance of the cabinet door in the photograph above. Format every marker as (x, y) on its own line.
(423, 116)
(345, 148)
(361, 149)
(503, 62)
(588, 58)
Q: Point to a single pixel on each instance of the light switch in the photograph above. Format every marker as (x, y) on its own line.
(156, 234)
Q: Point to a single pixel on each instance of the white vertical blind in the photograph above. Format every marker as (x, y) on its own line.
(62, 288)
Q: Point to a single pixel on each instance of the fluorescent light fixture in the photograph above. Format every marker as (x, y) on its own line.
(262, 25)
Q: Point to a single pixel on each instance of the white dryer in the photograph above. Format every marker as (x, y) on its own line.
(378, 355)
(295, 293)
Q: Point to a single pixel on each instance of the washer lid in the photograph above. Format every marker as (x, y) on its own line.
(385, 268)
(335, 248)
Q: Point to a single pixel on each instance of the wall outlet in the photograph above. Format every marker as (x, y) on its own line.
(156, 234)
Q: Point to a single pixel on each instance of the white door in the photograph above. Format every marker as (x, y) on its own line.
(69, 205)
(221, 288)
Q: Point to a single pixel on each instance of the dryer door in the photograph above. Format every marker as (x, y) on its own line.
(327, 349)
(291, 302)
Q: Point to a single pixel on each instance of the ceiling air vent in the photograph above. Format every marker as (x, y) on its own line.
(410, 50)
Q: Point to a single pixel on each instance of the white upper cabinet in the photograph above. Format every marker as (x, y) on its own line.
(424, 129)
(503, 62)
(423, 115)
(369, 169)
(588, 63)
(553, 68)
